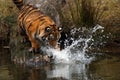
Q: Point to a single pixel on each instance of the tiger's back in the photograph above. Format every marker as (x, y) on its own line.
(28, 15)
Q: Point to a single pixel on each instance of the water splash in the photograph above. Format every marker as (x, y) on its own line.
(77, 51)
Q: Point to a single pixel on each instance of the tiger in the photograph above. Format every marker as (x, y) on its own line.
(36, 26)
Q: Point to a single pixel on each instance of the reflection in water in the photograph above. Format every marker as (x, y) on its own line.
(106, 67)
(69, 72)
(4, 56)
(59, 71)
(4, 73)
(79, 66)
(4, 61)
(37, 73)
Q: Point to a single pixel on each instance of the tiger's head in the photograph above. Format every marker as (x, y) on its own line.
(49, 33)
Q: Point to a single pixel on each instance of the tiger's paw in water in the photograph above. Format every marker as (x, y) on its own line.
(46, 58)
(33, 50)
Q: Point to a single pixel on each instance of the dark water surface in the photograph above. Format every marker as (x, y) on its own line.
(105, 67)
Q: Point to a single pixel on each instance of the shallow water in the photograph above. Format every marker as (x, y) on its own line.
(103, 67)
(75, 62)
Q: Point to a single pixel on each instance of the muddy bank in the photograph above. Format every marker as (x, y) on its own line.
(4, 34)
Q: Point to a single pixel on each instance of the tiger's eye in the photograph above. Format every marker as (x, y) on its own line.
(47, 29)
(59, 29)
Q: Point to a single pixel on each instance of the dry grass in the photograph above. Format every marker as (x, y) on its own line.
(89, 13)
(7, 8)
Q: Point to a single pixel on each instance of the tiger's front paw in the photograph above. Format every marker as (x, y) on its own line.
(47, 58)
(34, 50)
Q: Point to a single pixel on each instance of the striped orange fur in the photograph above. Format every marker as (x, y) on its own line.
(38, 27)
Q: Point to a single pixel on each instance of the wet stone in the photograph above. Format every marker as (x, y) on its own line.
(38, 59)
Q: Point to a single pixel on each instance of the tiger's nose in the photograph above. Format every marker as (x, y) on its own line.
(51, 36)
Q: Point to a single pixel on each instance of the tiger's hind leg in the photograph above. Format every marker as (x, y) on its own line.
(24, 36)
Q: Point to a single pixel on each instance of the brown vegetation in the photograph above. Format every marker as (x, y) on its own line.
(4, 33)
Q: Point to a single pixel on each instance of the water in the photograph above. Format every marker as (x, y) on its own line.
(105, 67)
(75, 62)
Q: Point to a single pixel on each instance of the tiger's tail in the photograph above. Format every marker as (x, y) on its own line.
(18, 3)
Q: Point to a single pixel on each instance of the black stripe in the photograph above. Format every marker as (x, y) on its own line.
(30, 22)
(29, 26)
(36, 18)
(28, 10)
(43, 23)
(29, 13)
(42, 19)
(42, 16)
(25, 7)
(23, 16)
(33, 21)
(37, 31)
(22, 12)
(22, 25)
(26, 13)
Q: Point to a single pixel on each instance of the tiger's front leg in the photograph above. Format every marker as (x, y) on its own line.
(35, 47)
